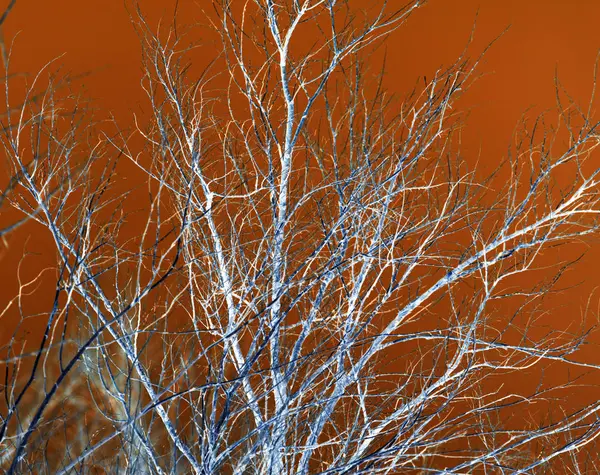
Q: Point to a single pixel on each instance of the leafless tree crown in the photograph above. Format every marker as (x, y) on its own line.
(317, 282)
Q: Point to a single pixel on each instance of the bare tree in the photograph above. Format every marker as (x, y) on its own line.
(319, 285)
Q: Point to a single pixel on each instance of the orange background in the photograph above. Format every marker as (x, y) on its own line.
(545, 36)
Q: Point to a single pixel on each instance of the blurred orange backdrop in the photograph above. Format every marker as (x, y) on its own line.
(544, 37)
